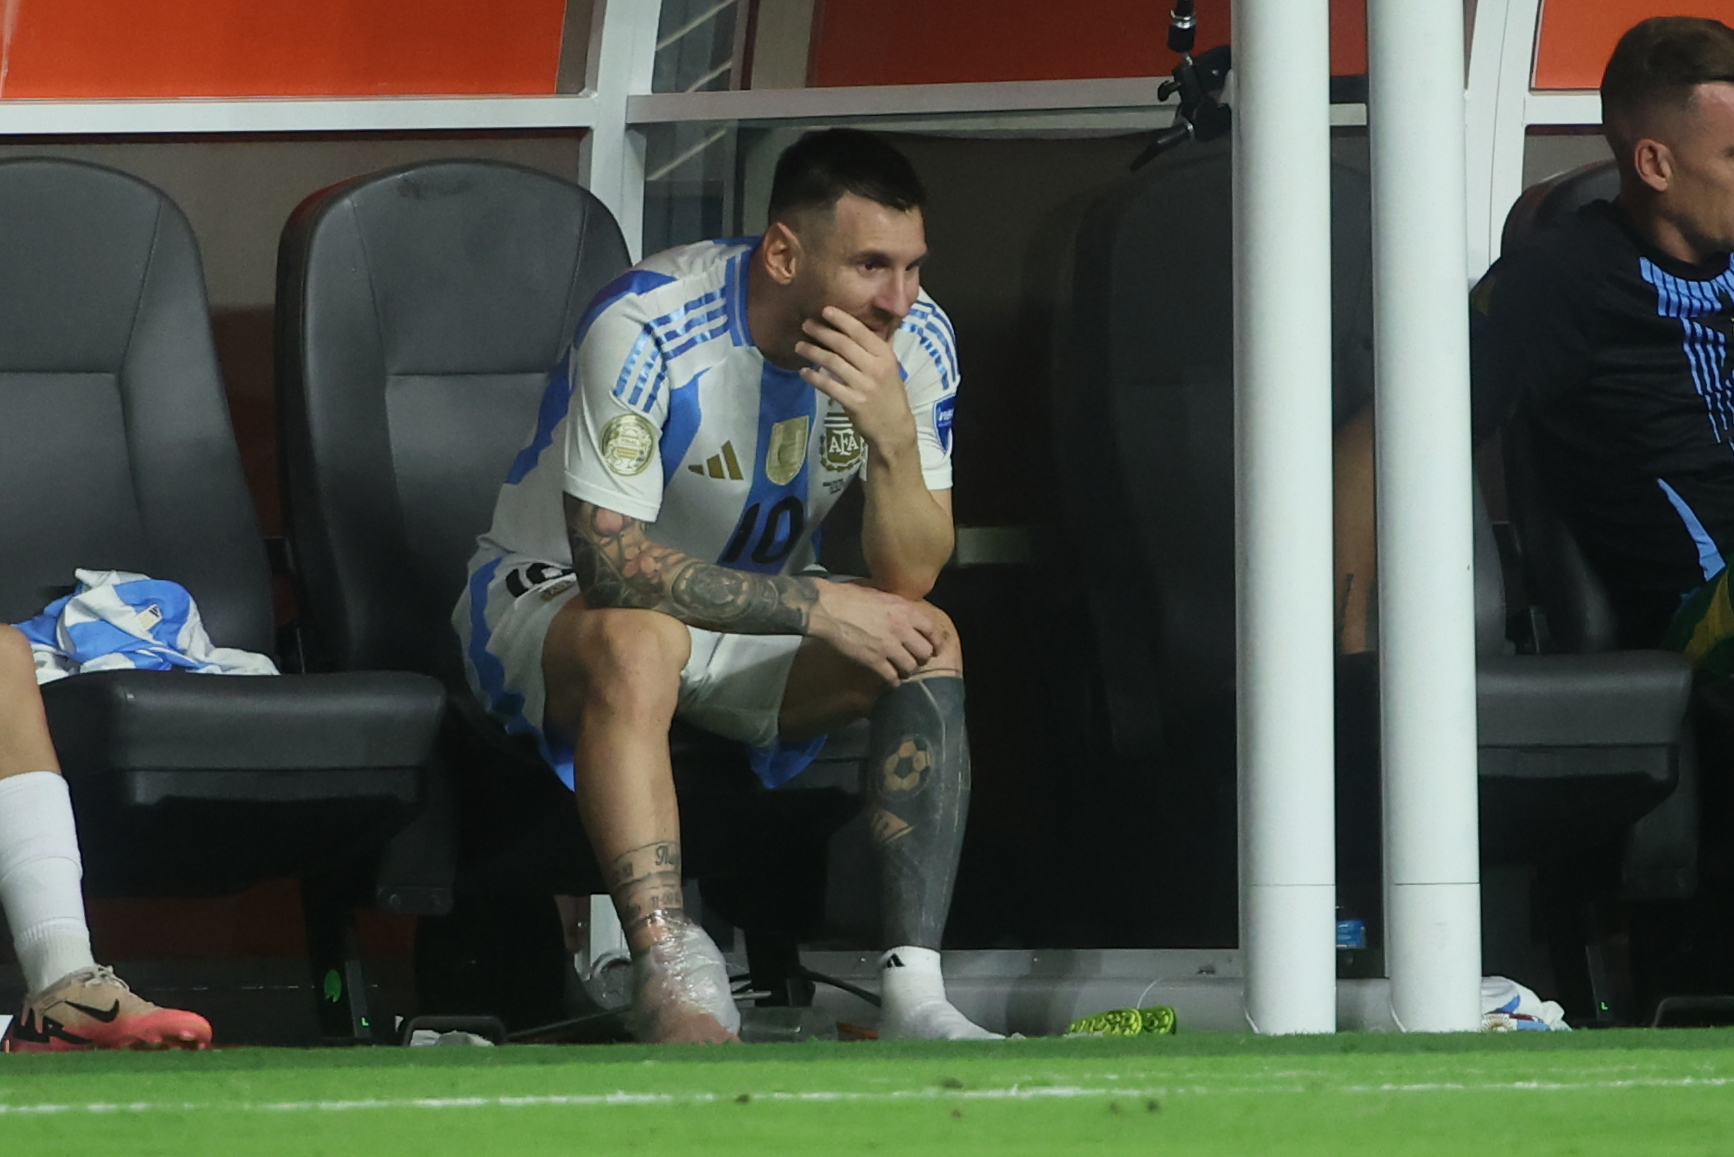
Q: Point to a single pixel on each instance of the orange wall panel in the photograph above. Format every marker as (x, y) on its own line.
(951, 41)
(1348, 37)
(70, 49)
(1578, 36)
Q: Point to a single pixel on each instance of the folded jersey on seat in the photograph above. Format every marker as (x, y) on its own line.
(119, 621)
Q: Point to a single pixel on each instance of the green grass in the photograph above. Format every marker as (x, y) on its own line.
(1632, 1092)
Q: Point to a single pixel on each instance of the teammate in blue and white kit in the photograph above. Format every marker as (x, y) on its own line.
(651, 556)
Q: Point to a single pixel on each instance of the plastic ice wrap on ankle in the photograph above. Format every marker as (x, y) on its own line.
(683, 967)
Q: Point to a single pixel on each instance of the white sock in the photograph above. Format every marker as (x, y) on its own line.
(39, 878)
(912, 990)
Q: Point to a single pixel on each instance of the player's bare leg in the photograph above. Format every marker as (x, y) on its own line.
(916, 780)
(73, 1002)
(613, 681)
(24, 742)
(1355, 533)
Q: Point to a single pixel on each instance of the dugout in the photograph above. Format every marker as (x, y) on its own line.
(676, 137)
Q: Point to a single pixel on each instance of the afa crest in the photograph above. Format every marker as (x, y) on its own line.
(841, 448)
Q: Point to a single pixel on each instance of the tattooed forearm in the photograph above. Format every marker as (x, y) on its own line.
(619, 566)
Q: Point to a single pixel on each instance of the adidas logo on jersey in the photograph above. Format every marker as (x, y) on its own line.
(723, 465)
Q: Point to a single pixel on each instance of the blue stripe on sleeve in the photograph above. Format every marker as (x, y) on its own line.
(1709, 554)
(931, 325)
(698, 340)
(1705, 349)
(680, 427)
(632, 281)
(686, 312)
(735, 286)
(633, 357)
(939, 363)
(557, 398)
(655, 387)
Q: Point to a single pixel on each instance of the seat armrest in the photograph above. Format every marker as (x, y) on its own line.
(1607, 699)
(124, 721)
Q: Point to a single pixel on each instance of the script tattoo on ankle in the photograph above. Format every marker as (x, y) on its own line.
(645, 884)
(916, 780)
(619, 565)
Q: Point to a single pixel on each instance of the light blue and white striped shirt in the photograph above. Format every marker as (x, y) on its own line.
(665, 411)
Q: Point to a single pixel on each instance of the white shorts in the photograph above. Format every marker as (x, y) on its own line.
(732, 685)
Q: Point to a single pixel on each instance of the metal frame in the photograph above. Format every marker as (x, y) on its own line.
(27, 118)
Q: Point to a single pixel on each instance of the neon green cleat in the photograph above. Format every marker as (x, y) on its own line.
(1125, 1022)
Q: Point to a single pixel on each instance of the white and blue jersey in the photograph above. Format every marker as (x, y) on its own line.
(664, 410)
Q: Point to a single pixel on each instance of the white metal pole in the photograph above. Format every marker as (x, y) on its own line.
(1426, 546)
(1282, 379)
(619, 66)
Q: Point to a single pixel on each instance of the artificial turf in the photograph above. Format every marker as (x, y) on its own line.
(1615, 1092)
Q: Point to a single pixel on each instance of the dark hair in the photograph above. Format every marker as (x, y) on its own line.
(1658, 63)
(819, 168)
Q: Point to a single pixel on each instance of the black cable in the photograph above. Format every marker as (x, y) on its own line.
(615, 1016)
(804, 973)
(853, 990)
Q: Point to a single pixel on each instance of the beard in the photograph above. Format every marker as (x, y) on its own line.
(879, 321)
(882, 323)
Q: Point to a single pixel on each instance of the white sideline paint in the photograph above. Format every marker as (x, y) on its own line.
(1011, 1093)
(1282, 401)
(1425, 532)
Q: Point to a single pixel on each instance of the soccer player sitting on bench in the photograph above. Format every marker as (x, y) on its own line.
(1608, 333)
(72, 1002)
(651, 549)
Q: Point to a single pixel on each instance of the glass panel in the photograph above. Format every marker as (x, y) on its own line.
(689, 183)
(697, 49)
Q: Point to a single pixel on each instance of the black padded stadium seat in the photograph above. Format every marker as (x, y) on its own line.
(1578, 614)
(419, 312)
(1548, 201)
(116, 452)
(1143, 381)
(1573, 748)
(1577, 618)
